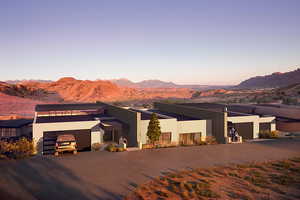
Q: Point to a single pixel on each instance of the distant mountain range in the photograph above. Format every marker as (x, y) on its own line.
(163, 84)
(274, 80)
(27, 80)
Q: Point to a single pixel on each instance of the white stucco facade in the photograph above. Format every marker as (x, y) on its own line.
(177, 127)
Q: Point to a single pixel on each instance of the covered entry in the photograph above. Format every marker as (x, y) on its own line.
(244, 129)
(83, 139)
(112, 130)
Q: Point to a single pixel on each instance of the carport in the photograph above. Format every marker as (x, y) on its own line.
(112, 130)
(83, 139)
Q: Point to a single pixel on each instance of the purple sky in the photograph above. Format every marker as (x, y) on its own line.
(205, 42)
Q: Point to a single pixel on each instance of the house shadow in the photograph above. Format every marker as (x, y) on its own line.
(44, 178)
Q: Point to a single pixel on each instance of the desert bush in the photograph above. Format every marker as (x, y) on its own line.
(15, 150)
(159, 145)
(111, 148)
(114, 148)
(120, 149)
(268, 134)
(96, 146)
(211, 140)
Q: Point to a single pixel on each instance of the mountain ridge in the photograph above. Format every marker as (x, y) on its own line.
(155, 83)
(274, 80)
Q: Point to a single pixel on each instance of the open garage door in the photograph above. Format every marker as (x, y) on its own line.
(83, 139)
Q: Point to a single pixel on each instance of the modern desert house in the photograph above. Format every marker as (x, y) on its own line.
(180, 123)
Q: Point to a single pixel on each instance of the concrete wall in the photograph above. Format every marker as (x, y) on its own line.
(131, 119)
(218, 119)
(39, 129)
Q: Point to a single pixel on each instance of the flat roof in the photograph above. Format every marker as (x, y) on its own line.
(146, 115)
(174, 115)
(71, 118)
(218, 107)
(62, 107)
(15, 123)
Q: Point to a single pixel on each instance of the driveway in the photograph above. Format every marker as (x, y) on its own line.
(104, 175)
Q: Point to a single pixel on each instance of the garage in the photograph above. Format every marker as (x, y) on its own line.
(83, 139)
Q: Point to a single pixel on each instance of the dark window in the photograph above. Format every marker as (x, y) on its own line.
(8, 132)
(189, 138)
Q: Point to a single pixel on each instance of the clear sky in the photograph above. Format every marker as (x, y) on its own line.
(192, 41)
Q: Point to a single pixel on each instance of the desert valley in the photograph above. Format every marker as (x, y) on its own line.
(18, 98)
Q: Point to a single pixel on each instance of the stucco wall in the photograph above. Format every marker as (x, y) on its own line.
(166, 125)
(218, 119)
(39, 129)
(97, 135)
(176, 127)
(193, 126)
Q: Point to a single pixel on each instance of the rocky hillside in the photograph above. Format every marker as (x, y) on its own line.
(16, 106)
(291, 90)
(274, 80)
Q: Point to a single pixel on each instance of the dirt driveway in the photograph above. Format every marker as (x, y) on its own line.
(104, 175)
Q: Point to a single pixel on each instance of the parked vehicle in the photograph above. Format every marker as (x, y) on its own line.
(65, 143)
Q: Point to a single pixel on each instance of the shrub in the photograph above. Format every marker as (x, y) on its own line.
(15, 150)
(120, 149)
(111, 148)
(268, 134)
(154, 130)
(211, 140)
(148, 146)
(96, 146)
(114, 148)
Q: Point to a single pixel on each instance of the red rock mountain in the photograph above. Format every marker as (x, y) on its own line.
(26, 94)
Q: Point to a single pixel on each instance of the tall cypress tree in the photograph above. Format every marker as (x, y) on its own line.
(154, 131)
